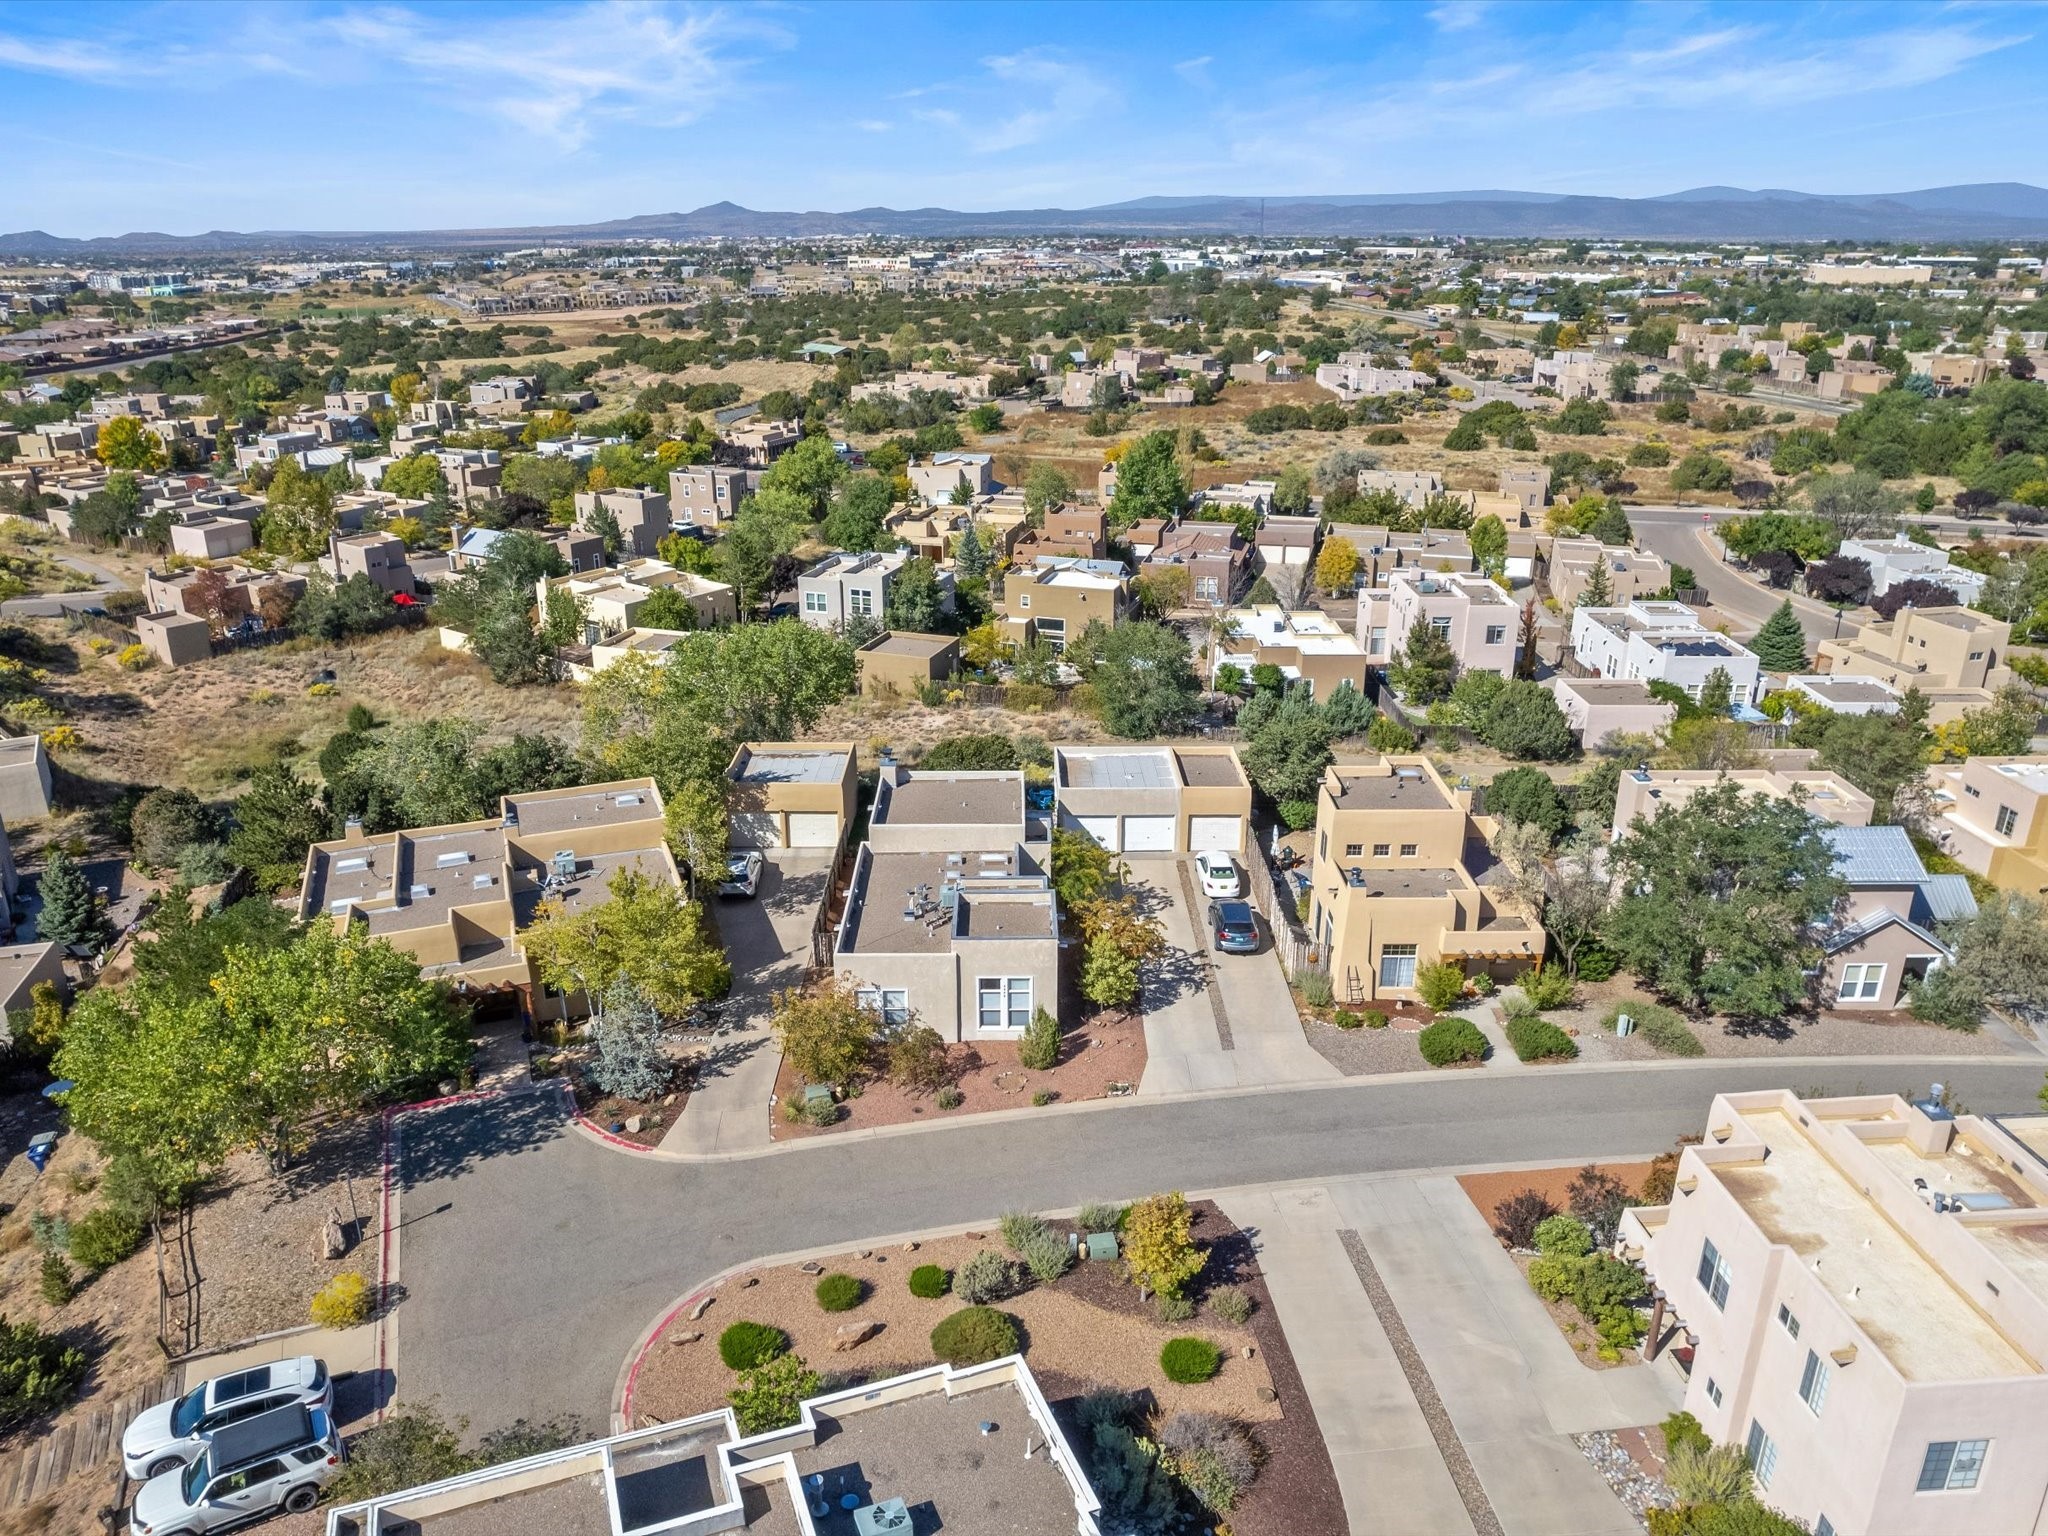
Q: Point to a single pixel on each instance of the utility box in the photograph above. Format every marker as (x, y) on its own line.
(1101, 1245)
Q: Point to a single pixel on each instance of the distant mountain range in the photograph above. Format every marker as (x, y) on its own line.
(2006, 210)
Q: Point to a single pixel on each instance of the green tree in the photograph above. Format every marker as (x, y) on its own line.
(858, 512)
(2001, 961)
(1885, 756)
(1720, 900)
(417, 477)
(1488, 537)
(1717, 693)
(825, 1033)
(1527, 795)
(298, 514)
(916, 600)
(1599, 589)
(644, 932)
(970, 554)
(1294, 492)
(807, 472)
(1082, 869)
(1525, 722)
(1047, 485)
(1612, 525)
(167, 821)
(1427, 668)
(629, 1062)
(757, 540)
(276, 821)
(1148, 482)
(699, 833)
(1781, 644)
(1144, 681)
(70, 913)
(1285, 757)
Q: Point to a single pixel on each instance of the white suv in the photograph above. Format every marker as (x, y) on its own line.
(248, 1471)
(171, 1434)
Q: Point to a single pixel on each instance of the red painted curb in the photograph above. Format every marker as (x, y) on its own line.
(654, 1338)
(602, 1134)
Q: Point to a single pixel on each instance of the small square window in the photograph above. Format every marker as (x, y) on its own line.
(1381, 850)
(1788, 1320)
(1408, 850)
(1354, 850)
(1496, 634)
(1713, 1392)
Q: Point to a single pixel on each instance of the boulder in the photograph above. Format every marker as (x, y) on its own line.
(852, 1335)
(910, 1247)
(332, 1241)
(699, 1307)
(633, 1125)
(685, 1338)
(1248, 1351)
(1268, 1395)
(811, 1267)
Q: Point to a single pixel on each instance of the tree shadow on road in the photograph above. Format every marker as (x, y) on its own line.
(448, 1141)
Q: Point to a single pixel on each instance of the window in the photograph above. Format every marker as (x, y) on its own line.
(1952, 1465)
(861, 602)
(1408, 850)
(1323, 844)
(1005, 1001)
(1788, 1320)
(1397, 965)
(1376, 642)
(2008, 819)
(1713, 1392)
(814, 602)
(1824, 1527)
(1354, 850)
(1496, 634)
(1381, 850)
(1763, 1454)
(1442, 628)
(1023, 599)
(1205, 589)
(1860, 982)
(1813, 1382)
(1713, 1274)
(890, 1004)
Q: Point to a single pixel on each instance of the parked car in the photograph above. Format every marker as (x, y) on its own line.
(248, 1471)
(742, 874)
(1219, 875)
(1234, 927)
(171, 1434)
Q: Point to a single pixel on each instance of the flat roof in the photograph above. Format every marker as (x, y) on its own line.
(904, 642)
(1407, 789)
(1209, 770)
(952, 799)
(1847, 690)
(913, 883)
(1910, 1309)
(1609, 690)
(1151, 769)
(1005, 914)
(595, 805)
(792, 765)
(1384, 881)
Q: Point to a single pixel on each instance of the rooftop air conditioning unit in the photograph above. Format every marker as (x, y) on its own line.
(564, 863)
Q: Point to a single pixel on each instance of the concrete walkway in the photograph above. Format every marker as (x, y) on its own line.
(1512, 1385)
(1388, 1467)
(769, 940)
(1216, 1021)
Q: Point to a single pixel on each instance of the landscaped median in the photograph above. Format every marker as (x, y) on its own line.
(1161, 1353)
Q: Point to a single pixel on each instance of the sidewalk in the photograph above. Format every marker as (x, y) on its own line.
(344, 1350)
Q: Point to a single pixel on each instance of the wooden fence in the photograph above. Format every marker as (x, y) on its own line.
(1272, 893)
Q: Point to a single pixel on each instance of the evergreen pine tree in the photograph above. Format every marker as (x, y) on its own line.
(1599, 587)
(68, 915)
(275, 821)
(1781, 644)
(970, 556)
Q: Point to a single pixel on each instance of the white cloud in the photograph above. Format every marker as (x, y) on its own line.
(1059, 93)
(873, 125)
(1195, 71)
(1458, 15)
(72, 59)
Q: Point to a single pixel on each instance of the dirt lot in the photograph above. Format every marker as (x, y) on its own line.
(1109, 1048)
(1086, 1331)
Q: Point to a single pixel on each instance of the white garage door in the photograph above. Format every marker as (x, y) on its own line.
(1215, 833)
(756, 829)
(813, 829)
(1101, 828)
(1148, 834)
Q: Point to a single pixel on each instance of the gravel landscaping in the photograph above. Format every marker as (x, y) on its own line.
(1623, 1459)
(1108, 1049)
(1363, 1052)
(1084, 1332)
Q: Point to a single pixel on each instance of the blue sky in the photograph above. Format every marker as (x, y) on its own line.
(186, 117)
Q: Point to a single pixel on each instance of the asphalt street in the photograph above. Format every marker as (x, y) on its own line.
(1684, 537)
(533, 1257)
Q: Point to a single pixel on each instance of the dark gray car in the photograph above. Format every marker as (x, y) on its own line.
(1234, 927)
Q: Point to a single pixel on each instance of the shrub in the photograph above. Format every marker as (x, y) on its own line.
(1550, 987)
(1598, 1199)
(1047, 1255)
(1039, 1050)
(1159, 1244)
(1682, 1428)
(930, 1281)
(134, 658)
(840, 1293)
(1296, 814)
(412, 1446)
(1663, 1027)
(38, 1372)
(342, 1302)
(1188, 1360)
(1099, 1218)
(1315, 988)
(1041, 1097)
(1019, 1227)
(104, 1238)
(1232, 1303)
(1344, 1018)
(1537, 1039)
(1707, 1474)
(1553, 1276)
(52, 1234)
(987, 1276)
(1214, 1459)
(1441, 985)
(744, 1345)
(951, 1098)
(974, 1336)
(1563, 1236)
(1661, 1182)
(798, 1110)
(769, 1396)
(1173, 1309)
(56, 1280)
(1516, 1218)
(1374, 1019)
(1451, 1040)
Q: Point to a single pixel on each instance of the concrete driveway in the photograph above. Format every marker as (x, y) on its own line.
(1214, 1020)
(768, 939)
